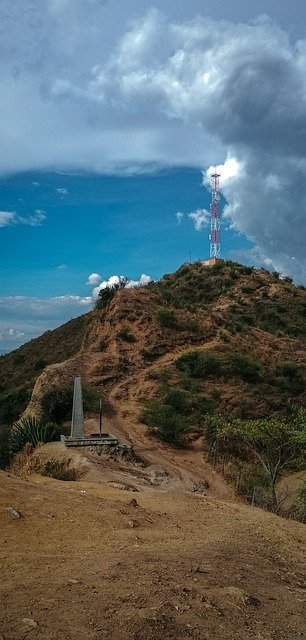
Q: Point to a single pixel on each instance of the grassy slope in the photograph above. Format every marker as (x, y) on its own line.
(20, 368)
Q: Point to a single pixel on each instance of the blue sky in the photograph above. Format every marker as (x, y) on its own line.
(111, 119)
(104, 224)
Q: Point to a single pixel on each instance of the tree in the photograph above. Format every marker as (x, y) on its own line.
(107, 293)
(276, 444)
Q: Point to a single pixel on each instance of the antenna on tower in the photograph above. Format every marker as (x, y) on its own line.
(214, 236)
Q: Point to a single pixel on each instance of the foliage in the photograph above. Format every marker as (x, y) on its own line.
(56, 404)
(167, 318)
(275, 444)
(126, 335)
(199, 364)
(302, 500)
(106, 295)
(19, 369)
(165, 423)
(13, 403)
(5, 434)
(290, 377)
(33, 431)
(57, 469)
(246, 369)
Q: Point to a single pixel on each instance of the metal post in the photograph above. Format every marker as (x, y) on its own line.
(100, 417)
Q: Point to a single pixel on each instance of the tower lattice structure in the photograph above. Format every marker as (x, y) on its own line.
(214, 236)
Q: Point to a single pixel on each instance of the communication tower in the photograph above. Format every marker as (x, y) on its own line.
(214, 236)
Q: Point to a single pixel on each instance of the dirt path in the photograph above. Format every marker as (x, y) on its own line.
(185, 470)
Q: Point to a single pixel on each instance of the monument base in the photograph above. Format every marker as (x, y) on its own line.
(94, 440)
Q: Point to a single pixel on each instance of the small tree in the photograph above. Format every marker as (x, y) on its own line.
(276, 444)
(106, 295)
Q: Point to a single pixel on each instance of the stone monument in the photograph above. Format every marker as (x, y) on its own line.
(77, 423)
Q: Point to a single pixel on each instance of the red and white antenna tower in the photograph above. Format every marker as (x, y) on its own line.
(214, 236)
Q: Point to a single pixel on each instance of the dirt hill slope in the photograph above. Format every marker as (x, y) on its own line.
(235, 312)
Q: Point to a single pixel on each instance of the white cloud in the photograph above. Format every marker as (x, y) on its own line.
(10, 335)
(179, 217)
(113, 281)
(142, 282)
(28, 317)
(9, 218)
(62, 267)
(62, 191)
(93, 279)
(200, 218)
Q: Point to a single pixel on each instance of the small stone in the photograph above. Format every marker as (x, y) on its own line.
(30, 622)
(133, 524)
(73, 581)
(134, 503)
(251, 600)
(14, 513)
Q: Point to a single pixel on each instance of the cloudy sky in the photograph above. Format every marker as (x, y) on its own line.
(112, 114)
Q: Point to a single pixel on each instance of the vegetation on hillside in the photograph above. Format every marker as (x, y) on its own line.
(20, 369)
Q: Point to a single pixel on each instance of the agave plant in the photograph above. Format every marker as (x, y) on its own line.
(32, 430)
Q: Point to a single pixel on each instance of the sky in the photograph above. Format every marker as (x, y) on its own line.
(113, 114)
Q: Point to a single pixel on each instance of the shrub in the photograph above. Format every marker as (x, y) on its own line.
(166, 317)
(106, 295)
(290, 377)
(246, 369)
(5, 434)
(56, 404)
(199, 364)
(13, 403)
(33, 431)
(102, 344)
(165, 423)
(40, 364)
(57, 469)
(179, 400)
(126, 335)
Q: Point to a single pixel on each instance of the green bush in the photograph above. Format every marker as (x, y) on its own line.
(5, 435)
(167, 318)
(245, 369)
(199, 364)
(165, 423)
(56, 404)
(126, 335)
(106, 295)
(290, 377)
(179, 399)
(13, 403)
(33, 431)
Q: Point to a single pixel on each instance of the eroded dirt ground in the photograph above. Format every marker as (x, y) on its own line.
(86, 561)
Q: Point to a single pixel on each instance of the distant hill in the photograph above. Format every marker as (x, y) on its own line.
(250, 321)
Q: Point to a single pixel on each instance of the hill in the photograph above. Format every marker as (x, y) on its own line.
(158, 544)
(250, 321)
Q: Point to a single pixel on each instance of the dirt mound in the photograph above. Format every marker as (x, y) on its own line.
(87, 561)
